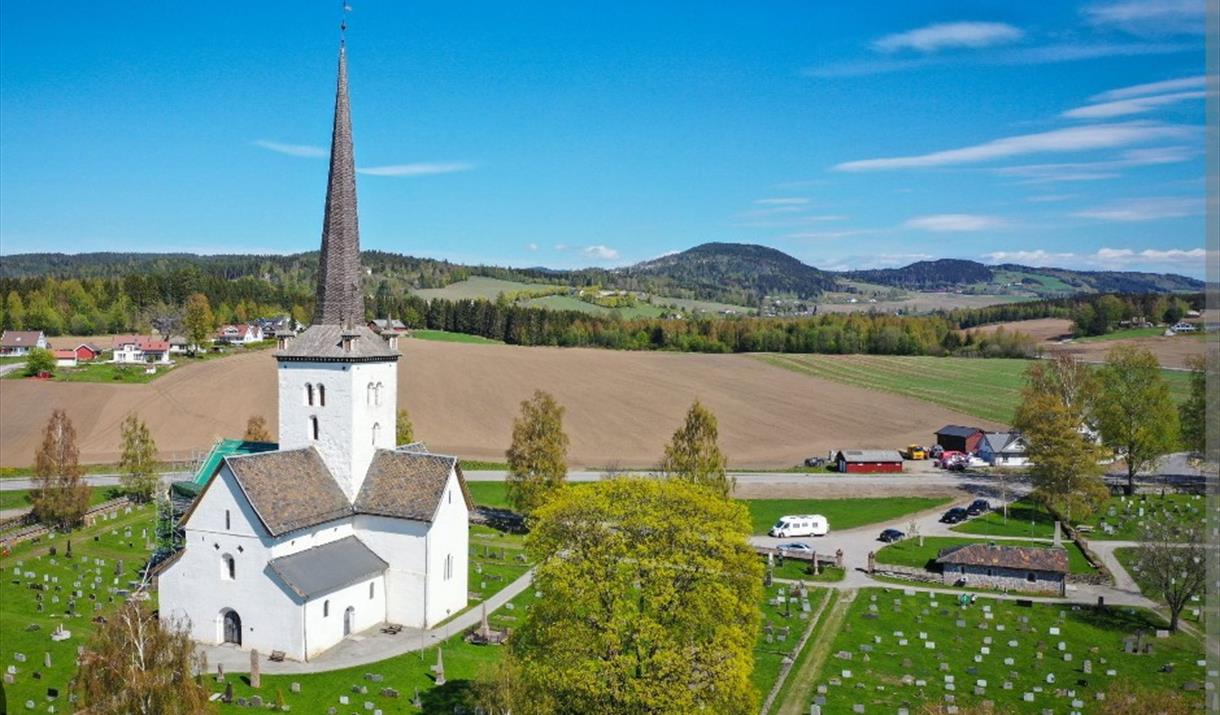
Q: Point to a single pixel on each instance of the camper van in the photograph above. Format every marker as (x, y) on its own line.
(800, 525)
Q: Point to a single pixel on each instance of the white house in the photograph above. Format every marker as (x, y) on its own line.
(21, 342)
(239, 334)
(131, 349)
(338, 530)
(1003, 449)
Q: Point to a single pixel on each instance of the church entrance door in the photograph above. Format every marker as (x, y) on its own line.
(232, 628)
(349, 620)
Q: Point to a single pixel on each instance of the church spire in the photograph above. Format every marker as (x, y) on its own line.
(340, 300)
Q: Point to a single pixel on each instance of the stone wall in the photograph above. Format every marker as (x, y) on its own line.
(1002, 578)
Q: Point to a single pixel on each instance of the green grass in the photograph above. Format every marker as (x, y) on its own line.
(567, 302)
(1127, 556)
(1123, 334)
(18, 606)
(816, 638)
(908, 552)
(478, 287)
(702, 306)
(491, 494)
(769, 656)
(20, 498)
(1086, 632)
(841, 513)
(989, 388)
(100, 372)
(447, 337)
(1122, 513)
(794, 570)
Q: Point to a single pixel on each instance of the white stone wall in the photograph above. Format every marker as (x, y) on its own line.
(197, 588)
(1002, 578)
(324, 625)
(346, 421)
(449, 536)
(403, 545)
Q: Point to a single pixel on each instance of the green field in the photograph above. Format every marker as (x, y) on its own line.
(99, 372)
(908, 552)
(447, 337)
(768, 656)
(567, 302)
(841, 513)
(907, 675)
(20, 498)
(478, 287)
(989, 388)
(702, 306)
(1122, 514)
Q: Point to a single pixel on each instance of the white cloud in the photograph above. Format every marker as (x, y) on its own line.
(1134, 105)
(601, 253)
(1104, 257)
(1150, 209)
(303, 150)
(783, 201)
(1049, 198)
(531, 247)
(561, 247)
(1093, 170)
(416, 169)
(1150, 17)
(1139, 90)
(954, 222)
(1097, 136)
(943, 35)
(828, 235)
(1038, 257)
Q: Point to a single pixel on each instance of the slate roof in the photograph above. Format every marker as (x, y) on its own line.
(20, 338)
(870, 455)
(290, 489)
(407, 485)
(331, 566)
(1029, 558)
(957, 431)
(326, 342)
(997, 442)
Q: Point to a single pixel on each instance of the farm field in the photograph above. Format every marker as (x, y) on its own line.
(986, 388)
(1172, 351)
(916, 302)
(448, 337)
(1121, 514)
(926, 646)
(567, 302)
(908, 552)
(702, 306)
(622, 407)
(478, 287)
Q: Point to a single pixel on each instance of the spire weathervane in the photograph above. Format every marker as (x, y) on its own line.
(343, 24)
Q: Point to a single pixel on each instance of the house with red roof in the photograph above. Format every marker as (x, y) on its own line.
(138, 349)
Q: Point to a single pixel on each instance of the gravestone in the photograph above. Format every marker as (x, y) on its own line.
(255, 677)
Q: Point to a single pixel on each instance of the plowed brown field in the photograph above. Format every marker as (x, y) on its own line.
(621, 406)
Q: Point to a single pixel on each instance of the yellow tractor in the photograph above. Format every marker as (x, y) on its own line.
(914, 451)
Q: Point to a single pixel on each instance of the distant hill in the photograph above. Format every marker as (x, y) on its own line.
(927, 275)
(1008, 278)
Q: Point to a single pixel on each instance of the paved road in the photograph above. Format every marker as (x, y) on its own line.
(6, 369)
(93, 480)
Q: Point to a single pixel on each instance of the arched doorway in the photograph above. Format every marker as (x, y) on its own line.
(231, 628)
(349, 620)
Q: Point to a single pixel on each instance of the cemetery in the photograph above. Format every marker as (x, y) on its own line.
(1118, 519)
(910, 552)
(898, 649)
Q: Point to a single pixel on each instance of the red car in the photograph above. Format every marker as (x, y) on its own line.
(948, 457)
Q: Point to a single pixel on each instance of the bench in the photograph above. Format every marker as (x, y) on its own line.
(277, 656)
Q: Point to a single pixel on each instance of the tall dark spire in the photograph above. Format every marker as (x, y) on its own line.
(340, 300)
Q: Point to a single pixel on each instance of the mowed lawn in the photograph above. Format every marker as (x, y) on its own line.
(448, 337)
(1123, 515)
(912, 636)
(989, 388)
(567, 302)
(20, 498)
(908, 552)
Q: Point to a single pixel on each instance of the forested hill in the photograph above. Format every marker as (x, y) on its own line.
(957, 274)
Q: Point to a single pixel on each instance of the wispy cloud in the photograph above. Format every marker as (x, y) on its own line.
(601, 253)
(1049, 198)
(1150, 209)
(783, 201)
(1097, 136)
(1094, 170)
(954, 223)
(302, 150)
(531, 247)
(1134, 105)
(1150, 17)
(1139, 90)
(829, 235)
(944, 35)
(787, 220)
(1037, 257)
(416, 169)
(1104, 257)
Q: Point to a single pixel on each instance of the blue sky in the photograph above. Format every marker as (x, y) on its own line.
(569, 134)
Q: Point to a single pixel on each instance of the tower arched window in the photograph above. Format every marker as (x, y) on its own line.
(368, 394)
(377, 393)
(228, 567)
(376, 432)
(325, 608)
(321, 395)
(227, 521)
(313, 426)
(309, 394)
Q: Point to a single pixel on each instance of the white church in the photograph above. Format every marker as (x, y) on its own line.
(339, 530)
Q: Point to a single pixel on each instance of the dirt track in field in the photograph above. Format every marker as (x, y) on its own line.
(1172, 352)
(621, 406)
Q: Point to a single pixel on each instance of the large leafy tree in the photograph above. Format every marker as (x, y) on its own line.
(538, 457)
(39, 360)
(1192, 414)
(693, 454)
(134, 663)
(62, 497)
(404, 432)
(651, 602)
(198, 320)
(1051, 416)
(1133, 411)
(139, 459)
(1172, 560)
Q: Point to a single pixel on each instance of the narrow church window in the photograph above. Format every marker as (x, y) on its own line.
(227, 527)
(368, 394)
(313, 423)
(229, 567)
(309, 394)
(325, 609)
(377, 394)
(321, 395)
(371, 584)
(376, 432)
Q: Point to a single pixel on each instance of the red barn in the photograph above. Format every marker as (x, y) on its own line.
(868, 461)
(959, 439)
(87, 351)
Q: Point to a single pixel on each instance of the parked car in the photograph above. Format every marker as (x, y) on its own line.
(914, 451)
(889, 536)
(1183, 327)
(978, 506)
(936, 451)
(800, 525)
(947, 457)
(815, 462)
(794, 549)
(955, 515)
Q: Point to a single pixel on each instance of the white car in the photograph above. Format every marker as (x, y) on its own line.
(800, 525)
(795, 548)
(1183, 328)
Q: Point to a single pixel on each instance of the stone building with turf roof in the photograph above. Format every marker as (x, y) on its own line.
(1012, 568)
(337, 530)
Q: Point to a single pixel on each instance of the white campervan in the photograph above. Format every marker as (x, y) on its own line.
(800, 525)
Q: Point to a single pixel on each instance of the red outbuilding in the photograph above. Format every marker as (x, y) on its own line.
(866, 461)
(87, 351)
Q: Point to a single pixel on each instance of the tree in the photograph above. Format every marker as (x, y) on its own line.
(1134, 414)
(404, 432)
(1051, 416)
(651, 605)
(1192, 414)
(14, 311)
(138, 461)
(693, 454)
(256, 430)
(61, 498)
(1172, 560)
(165, 319)
(538, 457)
(134, 663)
(198, 320)
(39, 361)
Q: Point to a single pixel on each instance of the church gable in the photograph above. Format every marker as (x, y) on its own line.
(289, 490)
(223, 507)
(407, 485)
